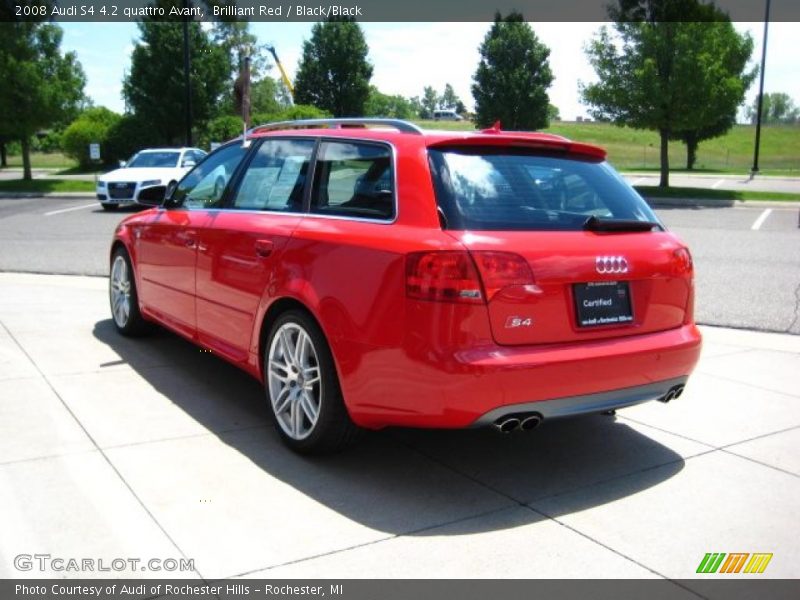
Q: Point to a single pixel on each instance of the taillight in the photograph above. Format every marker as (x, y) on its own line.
(500, 270)
(682, 263)
(443, 276)
(452, 276)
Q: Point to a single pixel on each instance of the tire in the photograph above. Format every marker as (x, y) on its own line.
(123, 298)
(109, 207)
(306, 403)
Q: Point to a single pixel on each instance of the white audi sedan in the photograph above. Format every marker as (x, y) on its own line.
(146, 169)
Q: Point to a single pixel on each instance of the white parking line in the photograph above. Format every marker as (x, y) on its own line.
(760, 220)
(638, 181)
(63, 210)
(716, 185)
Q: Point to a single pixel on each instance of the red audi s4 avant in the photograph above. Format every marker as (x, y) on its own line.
(370, 274)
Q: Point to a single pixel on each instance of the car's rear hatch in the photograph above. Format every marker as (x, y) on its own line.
(580, 253)
(565, 301)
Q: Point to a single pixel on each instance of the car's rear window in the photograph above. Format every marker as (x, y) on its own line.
(482, 188)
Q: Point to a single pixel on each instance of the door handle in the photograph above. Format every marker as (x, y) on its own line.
(264, 248)
(189, 238)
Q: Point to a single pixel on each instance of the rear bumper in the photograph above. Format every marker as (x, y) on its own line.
(587, 403)
(472, 387)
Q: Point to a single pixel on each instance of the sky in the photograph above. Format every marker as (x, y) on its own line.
(409, 56)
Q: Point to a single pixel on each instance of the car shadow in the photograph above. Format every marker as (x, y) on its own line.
(392, 479)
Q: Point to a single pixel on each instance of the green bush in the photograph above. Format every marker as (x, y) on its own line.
(126, 137)
(228, 127)
(301, 111)
(92, 126)
(48, 142)
(220, 130)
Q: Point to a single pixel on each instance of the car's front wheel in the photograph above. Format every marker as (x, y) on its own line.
(123, 297)
(303, 388)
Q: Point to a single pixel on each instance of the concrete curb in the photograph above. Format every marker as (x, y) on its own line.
(709, 203)
(54, 195)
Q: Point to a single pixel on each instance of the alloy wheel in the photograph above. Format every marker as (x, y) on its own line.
(294, 382)
(120, 290)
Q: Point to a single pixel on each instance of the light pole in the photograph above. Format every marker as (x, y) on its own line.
(760, 93)
(187, 85)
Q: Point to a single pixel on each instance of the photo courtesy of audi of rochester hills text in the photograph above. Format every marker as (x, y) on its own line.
(376, 300)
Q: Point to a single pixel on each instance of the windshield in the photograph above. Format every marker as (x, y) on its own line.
(154, 159)
(513, 189)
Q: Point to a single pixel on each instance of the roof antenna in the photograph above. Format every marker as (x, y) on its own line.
(493, 129)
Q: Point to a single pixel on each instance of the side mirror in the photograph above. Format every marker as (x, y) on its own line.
(122, 164)
(153, 196)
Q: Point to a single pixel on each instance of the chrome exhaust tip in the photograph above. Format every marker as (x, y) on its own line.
(672, 394)
(506, 425)
(531, 422)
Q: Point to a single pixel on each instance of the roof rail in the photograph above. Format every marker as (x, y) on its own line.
(399, 124)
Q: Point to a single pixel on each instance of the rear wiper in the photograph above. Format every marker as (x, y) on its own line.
(594, 223)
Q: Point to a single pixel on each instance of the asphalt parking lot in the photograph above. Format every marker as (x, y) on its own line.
(150, 448)
(747, 258)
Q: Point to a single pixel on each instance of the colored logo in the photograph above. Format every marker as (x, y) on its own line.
(735, 562)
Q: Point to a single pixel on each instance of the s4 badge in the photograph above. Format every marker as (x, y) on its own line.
(513, 322)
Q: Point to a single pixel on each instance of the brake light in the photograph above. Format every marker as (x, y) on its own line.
(442, 276)
(682, 264)
(500, 270)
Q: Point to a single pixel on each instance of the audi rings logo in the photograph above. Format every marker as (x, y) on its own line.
(611, 264)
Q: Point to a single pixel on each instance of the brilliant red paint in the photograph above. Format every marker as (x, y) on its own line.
(212, 276)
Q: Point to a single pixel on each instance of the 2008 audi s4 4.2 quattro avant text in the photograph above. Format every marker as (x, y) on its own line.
(370, 274)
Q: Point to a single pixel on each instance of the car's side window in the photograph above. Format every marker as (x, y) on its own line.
(203, 187)
(354, 179)
(276, 177)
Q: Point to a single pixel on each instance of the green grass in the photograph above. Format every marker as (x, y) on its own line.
(628, 149)
(40, 160)
(709, 194)
(46, 185)
(634, 149)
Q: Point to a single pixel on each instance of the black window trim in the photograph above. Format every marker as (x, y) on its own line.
(168, 205)
(229, 195)
(232, 188)
(392, 164)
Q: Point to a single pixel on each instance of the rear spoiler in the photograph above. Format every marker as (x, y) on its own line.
(546, 142)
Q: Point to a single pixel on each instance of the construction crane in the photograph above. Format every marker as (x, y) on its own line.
(287, 82)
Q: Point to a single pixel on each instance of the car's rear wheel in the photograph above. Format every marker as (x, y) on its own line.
(303, 388)
(123, 297)
(107, 206)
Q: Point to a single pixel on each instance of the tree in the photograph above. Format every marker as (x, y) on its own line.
(92, 126)
(510, 84)
(429, 102)
(776, 108)
(553, 114)
(677, 78)
(154, 88)
(720, 85)
(385, 105)
(265, 96)
(449, 99)
(334, 71)
(40, 85)
(127, 136)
